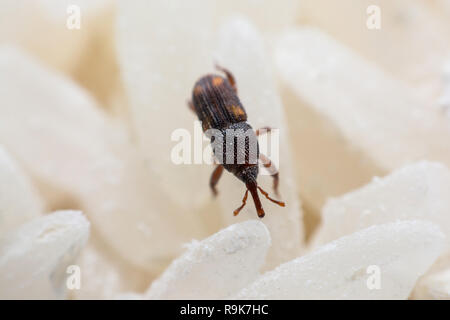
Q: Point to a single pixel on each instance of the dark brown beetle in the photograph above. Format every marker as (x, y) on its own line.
(215, 101)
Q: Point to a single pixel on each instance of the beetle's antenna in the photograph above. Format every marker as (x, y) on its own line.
(252, 186)
(244, 201)
(280, 203)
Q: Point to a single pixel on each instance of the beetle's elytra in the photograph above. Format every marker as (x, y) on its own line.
(217, 105)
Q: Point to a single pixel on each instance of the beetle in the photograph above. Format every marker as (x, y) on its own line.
(217, 106)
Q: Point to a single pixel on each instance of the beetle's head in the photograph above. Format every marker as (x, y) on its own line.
(248, 174)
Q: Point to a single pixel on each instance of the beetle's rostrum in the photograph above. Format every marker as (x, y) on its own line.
(217, 105)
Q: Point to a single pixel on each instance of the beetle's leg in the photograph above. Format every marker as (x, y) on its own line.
(244, 201)
(263, 130)
(229, 75)
(191, 105)
(273, 171)
(215, 176)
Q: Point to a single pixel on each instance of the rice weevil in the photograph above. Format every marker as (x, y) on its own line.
(217, 105)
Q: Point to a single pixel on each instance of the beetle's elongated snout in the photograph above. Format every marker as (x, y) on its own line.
(253, 188)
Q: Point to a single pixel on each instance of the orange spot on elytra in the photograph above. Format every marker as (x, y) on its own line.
(197, 90)
(237, 111)
(217, 81)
